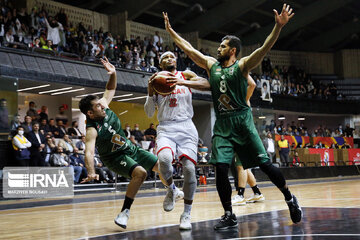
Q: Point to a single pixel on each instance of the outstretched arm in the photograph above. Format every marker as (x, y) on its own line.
(90, 140)
(255, 58)
(200, 59)
(192, 81)
(111, 84)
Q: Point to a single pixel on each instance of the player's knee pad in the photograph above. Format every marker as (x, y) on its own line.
(189, 170)
(165, 156)
(273, 173)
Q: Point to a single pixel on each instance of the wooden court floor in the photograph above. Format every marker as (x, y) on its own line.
(86, 219)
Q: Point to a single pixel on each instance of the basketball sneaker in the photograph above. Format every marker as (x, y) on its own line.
(171, 197)
(122, 219)
(227, 221)
(256, 198)
(295, 210)
(185, 222)
(238, 200)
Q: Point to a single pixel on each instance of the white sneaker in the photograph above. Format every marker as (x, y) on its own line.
(171, 197)
(256, 198)
(238, 200)
(122, 218)
(185, 222)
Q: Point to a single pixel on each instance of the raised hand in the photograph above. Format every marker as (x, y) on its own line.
(166, 21)
(285, 15)
(108, 66)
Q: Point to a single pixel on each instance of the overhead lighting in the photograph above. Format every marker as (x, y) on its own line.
(75, 109)
(84, 95)
(128, 99)
(30, 88)
(70, 91)
(301, 118)
(56, 90)
(281, 118)
(124, 95)
(262, 117)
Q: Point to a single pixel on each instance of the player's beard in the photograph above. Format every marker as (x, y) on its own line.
(223, 58)
(170, 68)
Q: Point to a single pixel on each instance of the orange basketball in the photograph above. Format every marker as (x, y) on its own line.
(160, 85)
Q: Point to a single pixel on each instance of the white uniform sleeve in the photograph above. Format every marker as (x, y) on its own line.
(149, 106)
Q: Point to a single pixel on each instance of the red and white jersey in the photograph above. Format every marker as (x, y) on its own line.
(176, 106)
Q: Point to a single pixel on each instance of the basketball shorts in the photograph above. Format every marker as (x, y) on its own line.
(236, 134)
(125, 164)
(179, 136)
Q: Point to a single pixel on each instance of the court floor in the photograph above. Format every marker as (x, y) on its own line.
(331, 211)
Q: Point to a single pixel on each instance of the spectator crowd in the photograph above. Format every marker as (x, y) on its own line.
(299, 129)
(293, 81)
(43, 141)
(37, 29)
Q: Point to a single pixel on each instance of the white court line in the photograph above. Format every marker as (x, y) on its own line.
(299, 235)
(166, 225)
(61, 204)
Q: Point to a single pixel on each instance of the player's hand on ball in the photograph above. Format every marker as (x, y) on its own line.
(285, 15)
(175, 81)
(108, 66)
(150, 84)
(90, 177)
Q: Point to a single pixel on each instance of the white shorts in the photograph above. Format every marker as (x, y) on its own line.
(180, 137)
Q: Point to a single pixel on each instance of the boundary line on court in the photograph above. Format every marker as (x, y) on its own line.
(143, 195)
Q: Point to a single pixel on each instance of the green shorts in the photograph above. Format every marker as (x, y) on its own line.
(237, 162)
(237, 134)
(125, 164)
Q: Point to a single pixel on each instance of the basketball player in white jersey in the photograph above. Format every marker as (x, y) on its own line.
(177, 136)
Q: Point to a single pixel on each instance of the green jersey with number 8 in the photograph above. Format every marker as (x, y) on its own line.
(228, 89)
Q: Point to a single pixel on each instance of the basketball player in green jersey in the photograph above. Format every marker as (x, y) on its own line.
(103, 130)
(234, 130)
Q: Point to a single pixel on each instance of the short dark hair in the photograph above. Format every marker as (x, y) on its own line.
(264, 84)
(73, 123)
(85, 103)
(234, 42)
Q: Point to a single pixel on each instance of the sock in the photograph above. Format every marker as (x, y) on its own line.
(127, 203)
(187, 208)
(287, 193)
(241, 191)
(256, 190)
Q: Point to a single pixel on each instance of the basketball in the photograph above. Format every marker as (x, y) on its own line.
(160, 85)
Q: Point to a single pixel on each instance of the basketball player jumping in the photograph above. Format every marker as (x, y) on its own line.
(103, 130)
(234, 129)
(176, 136)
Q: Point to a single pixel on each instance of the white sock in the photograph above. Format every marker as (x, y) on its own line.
(172, 187)
(187, 208)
